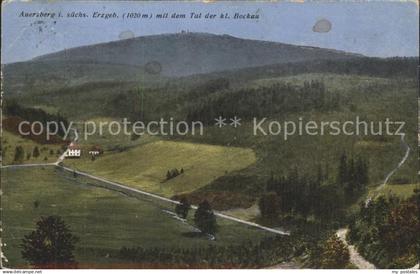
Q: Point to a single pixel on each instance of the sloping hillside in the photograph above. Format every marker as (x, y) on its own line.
(148, 58)
(191, 53)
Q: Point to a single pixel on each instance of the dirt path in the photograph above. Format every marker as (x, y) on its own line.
(407, 153)
(389, 175)
(355, 258)
(285, 265)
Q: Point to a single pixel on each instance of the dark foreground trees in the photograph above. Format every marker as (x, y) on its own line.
(335, 254)
(245, 254)
(353, 174)
(386, 231)
(173, 173)
(183, 208)
(269, 205)
(51, 245)
(36, 153)
(315, 194)
(205, 219)
(19, 155)
(325, 250)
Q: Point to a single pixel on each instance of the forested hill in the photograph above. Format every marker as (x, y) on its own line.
(191, 53)
(395, 67)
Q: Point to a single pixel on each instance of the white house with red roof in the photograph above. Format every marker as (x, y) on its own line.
(73, 151)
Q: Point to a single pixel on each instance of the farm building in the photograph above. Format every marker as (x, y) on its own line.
(74, 151)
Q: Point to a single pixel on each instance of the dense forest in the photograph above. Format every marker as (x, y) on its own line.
(369, 66)
(314, 194)
(204, 97)
(12, 108)
(246, 255)
(260, 102)
(311, 249)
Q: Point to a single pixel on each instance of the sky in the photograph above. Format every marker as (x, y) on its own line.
(381, 29)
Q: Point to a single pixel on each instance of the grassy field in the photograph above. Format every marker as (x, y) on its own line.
(145, 166)
(48, 153)
(403, 191)
(104, 220)
(104, 139)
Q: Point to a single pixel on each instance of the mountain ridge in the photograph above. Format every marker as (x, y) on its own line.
(182, 54)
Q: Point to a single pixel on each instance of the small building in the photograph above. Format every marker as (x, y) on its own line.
(73, 151)
(95, 151)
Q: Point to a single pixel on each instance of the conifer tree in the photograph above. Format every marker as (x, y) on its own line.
(205, 219)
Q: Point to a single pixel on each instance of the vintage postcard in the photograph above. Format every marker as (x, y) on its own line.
(210, 135)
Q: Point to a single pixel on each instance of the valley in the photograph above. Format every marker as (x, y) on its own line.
(307, 184)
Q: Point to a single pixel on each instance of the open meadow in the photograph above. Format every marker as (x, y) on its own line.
(103, 219)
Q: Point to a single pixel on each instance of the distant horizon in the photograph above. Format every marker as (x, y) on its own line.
(208, 33)
(174, 33)
(372, 29)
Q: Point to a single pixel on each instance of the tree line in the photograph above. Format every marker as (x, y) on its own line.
(370, 66)
(12, 108)
(173, 173)
(248, 254)
(306, 195)
(20, 156)
(247, 103)
(353, 174)
(298, 194)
